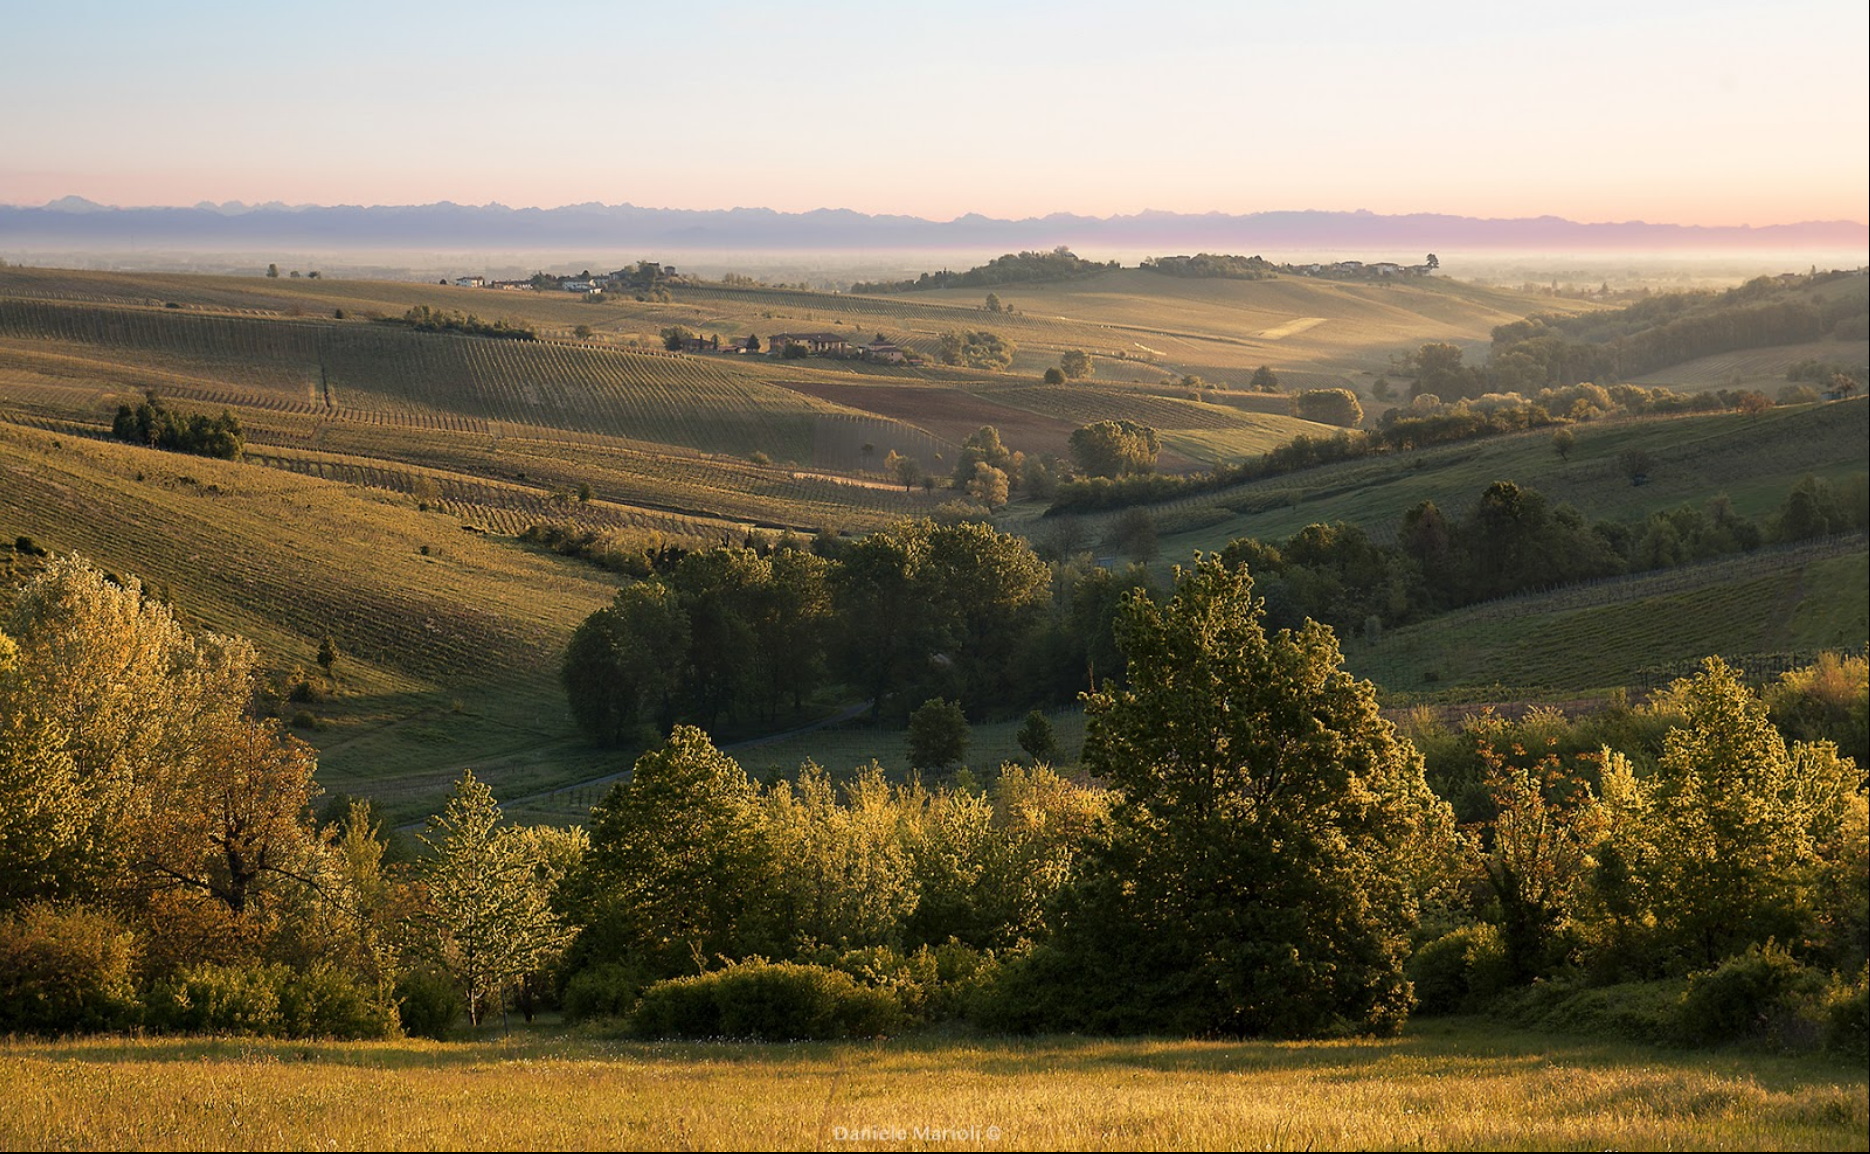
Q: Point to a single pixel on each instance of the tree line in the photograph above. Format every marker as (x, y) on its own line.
(1427, 421)
(904, 615)
(153, 423)
(1510, 540)
(1262, 853)
(1211, 266)
(424, 319)
(1651, 334)
(1013, 268)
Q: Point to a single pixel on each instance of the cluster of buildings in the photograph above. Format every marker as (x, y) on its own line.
(642, 275)
(838, 345)
(1357, 268)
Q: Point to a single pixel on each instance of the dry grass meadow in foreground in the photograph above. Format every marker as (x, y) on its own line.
(1444, 1085)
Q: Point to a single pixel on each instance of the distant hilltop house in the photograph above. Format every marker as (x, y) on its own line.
(579, 286)
(508, 285)
(814, 344)
(885, 353)
(1383, 268)
(469, 282)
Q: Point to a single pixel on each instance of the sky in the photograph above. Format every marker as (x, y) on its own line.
(1712, 113)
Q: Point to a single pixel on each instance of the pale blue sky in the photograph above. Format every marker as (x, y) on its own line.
(1716, 113)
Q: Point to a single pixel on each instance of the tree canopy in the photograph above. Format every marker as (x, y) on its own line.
(1115, 448)
(1260, 880)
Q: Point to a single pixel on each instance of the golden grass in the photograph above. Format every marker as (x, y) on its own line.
(1445, 1085)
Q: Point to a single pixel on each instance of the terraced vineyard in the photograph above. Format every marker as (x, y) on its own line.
(1140, 325)
(425, 614)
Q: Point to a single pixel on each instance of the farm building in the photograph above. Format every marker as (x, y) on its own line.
(883, 352)
(815, 344)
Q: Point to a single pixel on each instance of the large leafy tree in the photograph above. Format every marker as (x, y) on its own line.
(790, 616)
(678, 867)
(883, 618)
(1262, 876)
(1724, 844)
(492, 919)
(625, 662)
(1115, 448)
(986, 589)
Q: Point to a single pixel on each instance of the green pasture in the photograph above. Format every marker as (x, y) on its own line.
(1605, 636)
(1754, 461)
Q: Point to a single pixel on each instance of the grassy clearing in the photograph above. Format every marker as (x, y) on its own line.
(1443, 1085)
(1604, 636)
(1753, 461)
(1762, 369)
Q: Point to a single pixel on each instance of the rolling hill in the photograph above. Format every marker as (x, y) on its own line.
(388, 472)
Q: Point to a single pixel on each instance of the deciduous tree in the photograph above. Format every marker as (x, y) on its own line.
(1262, 879)
(679, 866)
(493, 922)
(938, 734)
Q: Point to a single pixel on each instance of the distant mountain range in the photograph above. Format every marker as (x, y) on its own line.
(74, 222)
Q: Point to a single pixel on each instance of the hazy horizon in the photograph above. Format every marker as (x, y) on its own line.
(1715, 114)
(238, 207)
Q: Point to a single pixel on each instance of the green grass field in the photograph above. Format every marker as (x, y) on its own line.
(1599, 637)
(1443, 1085)
(1754, 461)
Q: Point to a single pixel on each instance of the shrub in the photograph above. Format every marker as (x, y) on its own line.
(772, 1001)
(429, 1003)
(1459, 972)
(1761, 994)
(1634, 1011)
(323, 1001)
(607, 990)
(678, 1008)
(1044, 988)
(929, 985)
(64, 970)
(220, 999)
(938, 734)
(1847, 1016)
